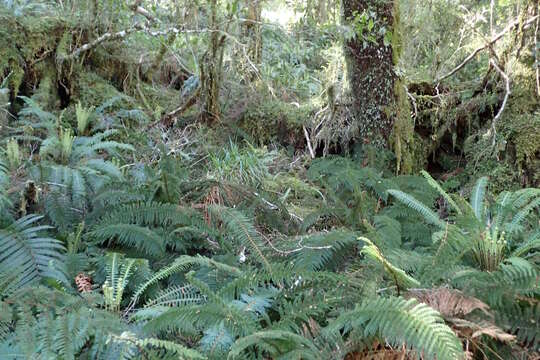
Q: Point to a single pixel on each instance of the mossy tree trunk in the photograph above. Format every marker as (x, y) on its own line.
(379, 101)
(211, 66)
(252, 30)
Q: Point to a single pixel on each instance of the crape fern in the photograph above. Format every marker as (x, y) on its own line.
(402, 322)
(27, 255)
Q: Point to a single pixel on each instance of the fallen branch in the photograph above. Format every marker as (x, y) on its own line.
(103, 38)
(139, 27)
(487, 45)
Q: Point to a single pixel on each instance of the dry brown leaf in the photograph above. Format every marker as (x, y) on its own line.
(84, 283)
(449, 302)
(494, 332)
(474, 329)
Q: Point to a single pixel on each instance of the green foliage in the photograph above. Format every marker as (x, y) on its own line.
(388, 317)
(28, 255)
(125, 238)
(248, 166)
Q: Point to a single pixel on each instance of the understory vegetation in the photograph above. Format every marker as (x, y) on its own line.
(194, 179)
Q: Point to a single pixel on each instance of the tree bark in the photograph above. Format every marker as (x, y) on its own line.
(379, 102)
(210, 68)
(252, 30)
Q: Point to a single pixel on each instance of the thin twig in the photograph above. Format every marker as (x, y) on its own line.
(486, 46)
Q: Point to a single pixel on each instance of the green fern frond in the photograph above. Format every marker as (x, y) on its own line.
(401, 278)
(434, 184)
(522, 320)
(103, 167)
(119, 270)
(532, 243)
(176, 296)
(146, 213)
(241, 229)
(399, 321)
(429, 215)
(323, 249)
(276, 343)
(24, 251)
(477, 198)
(522, 214)
(139, 237)
(182, 264)
(168, 346)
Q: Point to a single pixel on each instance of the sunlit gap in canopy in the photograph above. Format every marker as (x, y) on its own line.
(279, 13)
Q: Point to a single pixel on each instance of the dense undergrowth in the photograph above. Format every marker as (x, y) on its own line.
(130, 233)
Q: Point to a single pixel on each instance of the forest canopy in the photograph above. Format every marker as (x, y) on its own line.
(269, 179)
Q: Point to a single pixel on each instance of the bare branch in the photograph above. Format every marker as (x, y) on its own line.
(486, 46)
(138, 27)
(103, 38)
(138, 9)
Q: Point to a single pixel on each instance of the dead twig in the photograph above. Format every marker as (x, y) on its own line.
(487, 45)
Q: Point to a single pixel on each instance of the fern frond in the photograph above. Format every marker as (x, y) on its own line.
(477, 198)
(168, 346)
(399, 276)
(401, 321)
(183, 264)
(241, 229)
(434, 184)
(532, 243)
(429, 215)
(276, 342)
(522, 214)
(139, 237)
(322, 249)
(24, 251)
(176, 296)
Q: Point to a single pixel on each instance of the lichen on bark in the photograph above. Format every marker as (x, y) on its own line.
(379, 100)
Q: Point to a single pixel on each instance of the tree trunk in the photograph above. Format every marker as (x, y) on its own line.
(210, 68)
(252, 31)
(379, 101)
